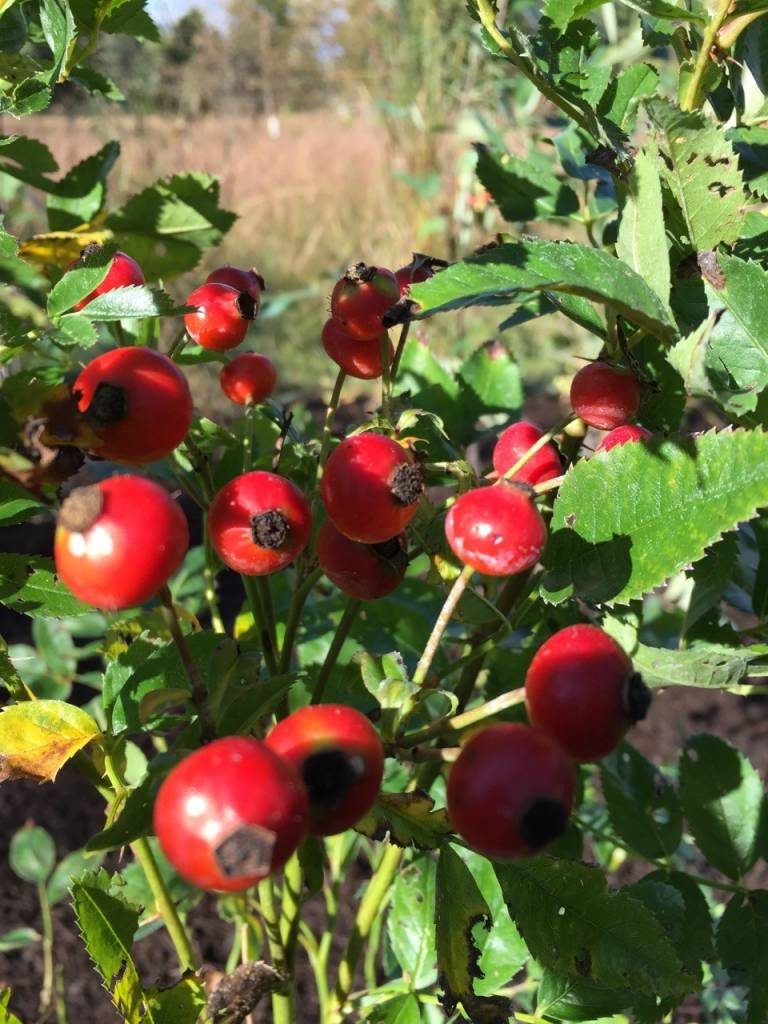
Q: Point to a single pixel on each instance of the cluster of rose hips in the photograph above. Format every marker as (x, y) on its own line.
(235, 810)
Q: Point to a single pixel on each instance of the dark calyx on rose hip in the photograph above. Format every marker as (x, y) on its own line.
(248, 851)
(544, 821)
(270, 529)
(407, 483)
(108, 405)
(329, 775)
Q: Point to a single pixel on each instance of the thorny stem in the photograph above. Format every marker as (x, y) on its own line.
(454, 596)
(691, 98)
(300, 595)
(261, 623)
(196, 682)
(342, 631)
(282, 1002)
(400, 348)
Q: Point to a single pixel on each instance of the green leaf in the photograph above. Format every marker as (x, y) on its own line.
(491, 383)
(706, 665)
(402, 1009)
(60, 882)
(701, 171)
(724, 804)
(107, 925)
(459, 907)
(750, 143)
(578, 999)
(58, 27)
(621, 99)
(17, 938)
(642, 241)
(130, 17)
(509, 271)
(6, 1017)
(574, 926)
(406, 819)
(29, 584)
(9, 676)
(75, 284)
(81, 193)
(97, 84)
(642, 806)
(411, 921)
(626, 520)
(524, 189)
(32, 854)
(697, 924)
(742, 944)
(562, 12)
(135, 301)
(134, 821)
(17, 504)
(180, 1004)
(711, 576)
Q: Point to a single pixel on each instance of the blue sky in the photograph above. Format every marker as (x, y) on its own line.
(167, 11)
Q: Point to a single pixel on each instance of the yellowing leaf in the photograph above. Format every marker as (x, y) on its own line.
(39, 737)
(60, 248)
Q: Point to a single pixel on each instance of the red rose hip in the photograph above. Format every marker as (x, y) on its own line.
(623, 435)
(605, 396)
(136, 401)
(249, 281)
(496, 530)
(581, 689)
(510, 792)
(361, 298)
(222, 316)
(421, 268)
(359, 358)
(259, 522)
(248, 379)
(362, 571)
(340, 758)
(371, 488)
(514, 442)
(230, 814)
(118, 542)
(123, 272)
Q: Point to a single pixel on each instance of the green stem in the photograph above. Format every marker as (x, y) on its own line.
(370, 905)
(386, 378)
(468, 718)
(209, 577)
(399, 350)
(250, 418)
(513, 48)
(282, 1002)
(196, 681)
(46, 991)
(342, 631)
(142, 851)
(265, 592)
(330, 416)
(261, 623)
(290, 907)
(542, 442)
(454, 596)
(691, 99)
(178, 344)
(300, 595)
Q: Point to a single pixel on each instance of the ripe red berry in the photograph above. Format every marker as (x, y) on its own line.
(581, 689)
(249, 281)
(136, 401)
(421, 268)
(362, 571)
(371, 488)
(230, 814)
(496, 530)
(248, 379)
(361, 298)
(123, 272)
(514, 442)
(339, 756)
(510, 791)
(259, 522)
(605, 396)
(360, 358)
(222, 316)
(621, 435)
(119, 541)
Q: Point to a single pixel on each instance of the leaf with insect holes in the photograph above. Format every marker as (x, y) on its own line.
(642, 806)
(512, 271)
(459, 907)
(724, 804)
(38, 737)
(706, 665)
(742, 945)
(406, 819)
(575, 926)
(701, 170)
(626, 520)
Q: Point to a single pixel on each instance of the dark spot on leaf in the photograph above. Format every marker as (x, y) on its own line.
(570, 520)
(712, 161)
(721, 188)
(583, 963)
